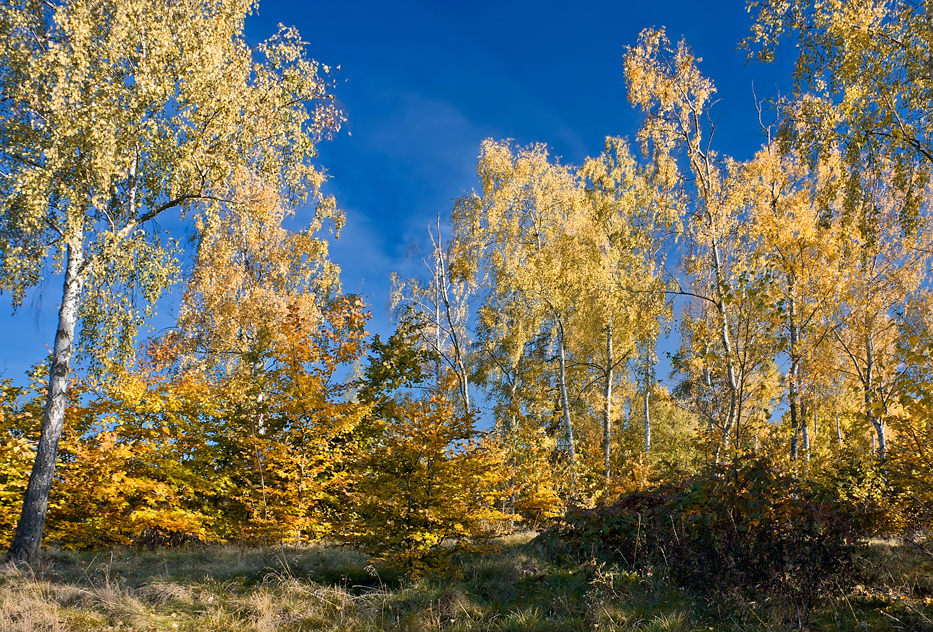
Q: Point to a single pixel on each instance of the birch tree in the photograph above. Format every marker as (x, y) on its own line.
(633, 212)
(113, 115)
(885, 260)
(863, 74)
(516, 242)
(790, 229)
(665, 83)
(441, 302)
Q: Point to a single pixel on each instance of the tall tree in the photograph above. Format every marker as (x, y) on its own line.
(789, 230)
(633, 210)
(864, 73)
(864, 84)
(516, 242)
(113, 114)
(885, 260)
(665, 83)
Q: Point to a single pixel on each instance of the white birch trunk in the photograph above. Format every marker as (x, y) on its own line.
(565, 402)
(607, 412)
(28, 538)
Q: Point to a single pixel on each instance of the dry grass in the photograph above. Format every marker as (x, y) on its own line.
(335, 589)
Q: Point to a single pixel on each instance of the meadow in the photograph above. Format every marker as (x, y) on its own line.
(524, 583)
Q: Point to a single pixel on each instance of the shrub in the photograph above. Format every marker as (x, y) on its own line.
(426, 486)
(746, 526)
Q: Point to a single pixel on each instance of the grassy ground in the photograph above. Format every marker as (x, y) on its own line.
(520, 587)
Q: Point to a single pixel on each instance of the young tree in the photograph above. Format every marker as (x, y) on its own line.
(442, 303)
(113, 114)
(264, 325)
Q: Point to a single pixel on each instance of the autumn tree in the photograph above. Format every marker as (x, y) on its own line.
(263, 329)
(727, 343)
(426, 482)
(884, 263)
(515, 240)
(863, 86)
(441, 301)
(913, 421)
(114, 114)
(863, 74)
(788, 229)
(634, 212)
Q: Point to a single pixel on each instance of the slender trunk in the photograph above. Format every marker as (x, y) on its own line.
(564, 400)
(508, 425)
(262, 477)
(838, 431)
(464, 385)
(648, 385)
(647, 422)
(794, 373)
(804, 428)
(877, 421)
(437, 330)
(301, 496)
(511, 417)
(607, 413)
(28, 538)
(728, 350)
(442, 295)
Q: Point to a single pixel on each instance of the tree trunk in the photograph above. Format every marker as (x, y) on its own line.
(647, 422)
(728, 349)
(564, 400)
(648, 384)
(838, 431)
(804, 428)
(28, 538)
(464, 385)
(607, 413)
(794, 373)
(877, 421)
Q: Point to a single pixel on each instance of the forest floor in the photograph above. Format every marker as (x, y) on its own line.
(518, 587)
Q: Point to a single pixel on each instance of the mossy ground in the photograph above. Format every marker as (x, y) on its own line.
(521, 586)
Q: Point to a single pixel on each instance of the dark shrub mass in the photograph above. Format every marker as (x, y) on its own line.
(744, 527)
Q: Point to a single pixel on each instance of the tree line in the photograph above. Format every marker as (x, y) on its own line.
(797, 280)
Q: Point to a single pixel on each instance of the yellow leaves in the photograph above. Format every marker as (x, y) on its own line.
(424, 480)
(666, 84)
(137, 107)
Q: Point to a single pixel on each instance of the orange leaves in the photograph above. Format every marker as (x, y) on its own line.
(191, 453)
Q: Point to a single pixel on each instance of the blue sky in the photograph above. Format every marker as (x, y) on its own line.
(423, 83)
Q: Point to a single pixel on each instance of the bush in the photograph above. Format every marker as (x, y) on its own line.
(744, 527)
(426, 486)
